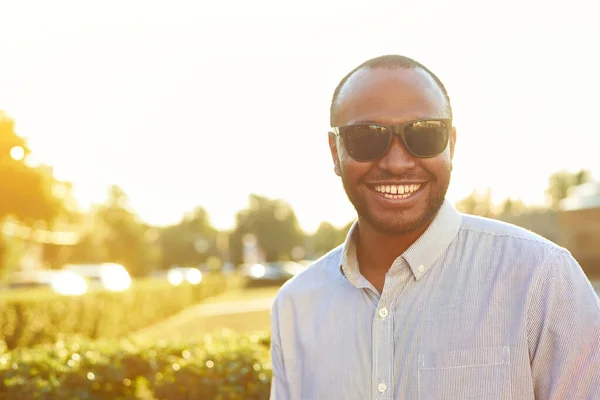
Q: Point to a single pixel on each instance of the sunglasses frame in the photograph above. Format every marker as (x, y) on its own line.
(397, 130)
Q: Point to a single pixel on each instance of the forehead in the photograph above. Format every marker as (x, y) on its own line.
(390, 95)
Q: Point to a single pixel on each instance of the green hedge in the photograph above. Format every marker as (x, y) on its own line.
(40, 316)
(227, 366)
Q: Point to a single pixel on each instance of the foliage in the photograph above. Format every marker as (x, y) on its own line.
(190, 242)
(11, 251)
(32, 190)
(328, 237)
(477, 204)
(31, 317)
(116, 234)
(125, 235)
(512, 207)
(274, 225)
(226, 366)
(560, 182)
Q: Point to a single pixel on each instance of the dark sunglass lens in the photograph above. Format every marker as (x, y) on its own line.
(365, 142)
(426, 138)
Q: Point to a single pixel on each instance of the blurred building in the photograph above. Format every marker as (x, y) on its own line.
(575, 226)
(582, 237)
(580, 220)
(544, 222)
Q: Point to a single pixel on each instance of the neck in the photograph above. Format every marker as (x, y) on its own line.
(376, 251)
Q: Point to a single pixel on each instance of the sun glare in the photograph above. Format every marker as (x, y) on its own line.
(17, 153)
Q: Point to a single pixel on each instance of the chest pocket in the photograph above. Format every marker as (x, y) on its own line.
(481, 373)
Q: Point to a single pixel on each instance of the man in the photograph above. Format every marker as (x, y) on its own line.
(422, 302)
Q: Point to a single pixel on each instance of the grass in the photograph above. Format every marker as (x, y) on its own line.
(243, 294)
(191, 323)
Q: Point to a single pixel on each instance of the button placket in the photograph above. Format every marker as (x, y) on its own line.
(383, 331)
(384, 346)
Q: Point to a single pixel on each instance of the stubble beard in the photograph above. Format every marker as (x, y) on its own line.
(399, 224)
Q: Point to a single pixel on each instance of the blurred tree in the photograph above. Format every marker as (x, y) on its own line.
(325, 238)
(560, 182)
(116, 234)
(28, 194)
(273, 223)
(90, 249)
(477, 204)
(512, 207)
(328, 237)
(190, 242)
(31, 196)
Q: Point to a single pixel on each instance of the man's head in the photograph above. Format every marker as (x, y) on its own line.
(399, 192)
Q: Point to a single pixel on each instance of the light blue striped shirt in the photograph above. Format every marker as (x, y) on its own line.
(474, 309)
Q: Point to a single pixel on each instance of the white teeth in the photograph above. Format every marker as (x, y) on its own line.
(396, 196)
(398, 190)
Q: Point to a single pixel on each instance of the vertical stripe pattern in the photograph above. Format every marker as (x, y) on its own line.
(474, 309)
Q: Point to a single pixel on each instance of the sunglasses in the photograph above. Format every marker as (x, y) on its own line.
(369, 142)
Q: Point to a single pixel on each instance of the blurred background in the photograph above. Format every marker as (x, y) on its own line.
(157, 150)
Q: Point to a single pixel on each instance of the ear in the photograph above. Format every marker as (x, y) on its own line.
(333, 147)
(452, 142)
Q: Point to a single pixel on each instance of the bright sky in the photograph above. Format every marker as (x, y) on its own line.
(201, 103)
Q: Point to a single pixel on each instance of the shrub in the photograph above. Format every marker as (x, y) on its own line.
(38, 316)
(226, 366)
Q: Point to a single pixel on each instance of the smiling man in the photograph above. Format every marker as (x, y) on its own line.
(421, 301)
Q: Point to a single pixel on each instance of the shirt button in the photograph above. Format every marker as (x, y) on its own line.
(381, 387)
(383, 313)
(421, 268)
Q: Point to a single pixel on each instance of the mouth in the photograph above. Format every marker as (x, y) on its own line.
(397, 192)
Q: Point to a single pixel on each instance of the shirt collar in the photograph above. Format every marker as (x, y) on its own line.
(349, 262)
(420, 256)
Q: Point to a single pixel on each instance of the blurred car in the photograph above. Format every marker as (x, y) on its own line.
(270, 273)
(62, 282)
(177, 275)
(108, 276)
(29, 280)
(228, 268)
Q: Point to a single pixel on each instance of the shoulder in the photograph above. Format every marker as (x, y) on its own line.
(516, 251)
(540, 267)
(486, 232)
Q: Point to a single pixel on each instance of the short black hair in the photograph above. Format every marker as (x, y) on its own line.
(387, 61)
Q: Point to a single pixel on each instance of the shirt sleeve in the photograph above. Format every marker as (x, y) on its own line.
(564, 332)
(279, 384)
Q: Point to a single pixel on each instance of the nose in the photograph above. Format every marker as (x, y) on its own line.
(397, 159)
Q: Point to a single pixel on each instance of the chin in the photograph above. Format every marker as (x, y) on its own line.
(396, 225)
(399, 221)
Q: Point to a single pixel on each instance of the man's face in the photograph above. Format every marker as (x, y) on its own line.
(391, 97)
